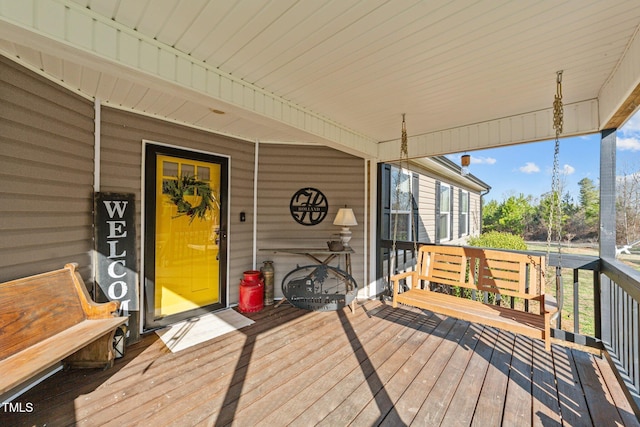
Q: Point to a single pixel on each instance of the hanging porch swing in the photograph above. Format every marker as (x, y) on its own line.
(488, 271)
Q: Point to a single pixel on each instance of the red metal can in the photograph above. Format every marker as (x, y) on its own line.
(251, 292)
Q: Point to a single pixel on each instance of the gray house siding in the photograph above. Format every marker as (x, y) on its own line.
(285, 169)
(47, 161)
(121, 167)
(46, 169)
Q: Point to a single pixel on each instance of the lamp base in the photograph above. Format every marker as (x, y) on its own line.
(345, 236)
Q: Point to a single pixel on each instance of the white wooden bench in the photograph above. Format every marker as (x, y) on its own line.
(50, 318)
(501, 273)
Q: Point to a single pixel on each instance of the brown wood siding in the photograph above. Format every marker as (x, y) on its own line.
(46, 175)
(121, 168)
(285, 169)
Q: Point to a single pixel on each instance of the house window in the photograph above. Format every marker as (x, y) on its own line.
(464, 213)
(401, 191)
(444, 213)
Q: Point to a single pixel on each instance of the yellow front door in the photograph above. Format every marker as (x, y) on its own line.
(187, 233)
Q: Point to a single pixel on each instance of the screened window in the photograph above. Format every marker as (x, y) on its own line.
(444, 214)
(464, 212)
(401, 191)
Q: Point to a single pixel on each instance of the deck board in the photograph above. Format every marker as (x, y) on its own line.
(621, 400)
(183, 377)
(277, 391)
(377, 366)
(379, 407)
(570, 393)
(374, 388)
(330, 369)
(373, 354)
(545, 406)
(494, 390)
(438, 401)
(597, 395)
(406, 408)
(465, 400)
(517, 408)
(330, 388)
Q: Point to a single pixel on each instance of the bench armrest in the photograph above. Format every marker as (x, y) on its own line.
(92, 309)
(398, 277)
(548, 303)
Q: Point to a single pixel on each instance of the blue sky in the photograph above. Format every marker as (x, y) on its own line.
(527, 168)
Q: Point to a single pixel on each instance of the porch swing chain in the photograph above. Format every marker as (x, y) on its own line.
(555, 210)
(404, 163)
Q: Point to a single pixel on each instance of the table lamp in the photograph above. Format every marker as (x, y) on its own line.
(345, 219)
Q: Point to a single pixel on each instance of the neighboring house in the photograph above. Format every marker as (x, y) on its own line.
(426, 201)
(447, 207)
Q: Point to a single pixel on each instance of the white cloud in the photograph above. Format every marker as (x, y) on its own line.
(482, 160)
(632, 125)
(530, 167)
(568, 169)
(628, 144)
(634, 177)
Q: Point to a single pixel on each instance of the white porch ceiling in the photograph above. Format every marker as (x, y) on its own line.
(468, 74)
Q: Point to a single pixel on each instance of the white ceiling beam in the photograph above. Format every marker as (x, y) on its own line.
(72, 31)
(579, 119)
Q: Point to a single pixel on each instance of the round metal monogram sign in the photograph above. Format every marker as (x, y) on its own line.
(309, 206)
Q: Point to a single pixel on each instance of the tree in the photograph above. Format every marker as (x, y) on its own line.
(490, 216)
(529, 218)
(628, 207)
(511, 216)
(590, 203)
(514, 215)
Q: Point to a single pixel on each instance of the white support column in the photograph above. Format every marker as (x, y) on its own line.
(96, 180)
(96, 145)
(255, 204)
(366, 222)
(373, 229)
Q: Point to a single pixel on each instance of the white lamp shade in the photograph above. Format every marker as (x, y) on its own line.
(345, 218)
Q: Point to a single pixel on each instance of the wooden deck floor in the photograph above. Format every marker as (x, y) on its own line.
(378, 366)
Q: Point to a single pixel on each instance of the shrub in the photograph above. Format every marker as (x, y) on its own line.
(498, 240)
